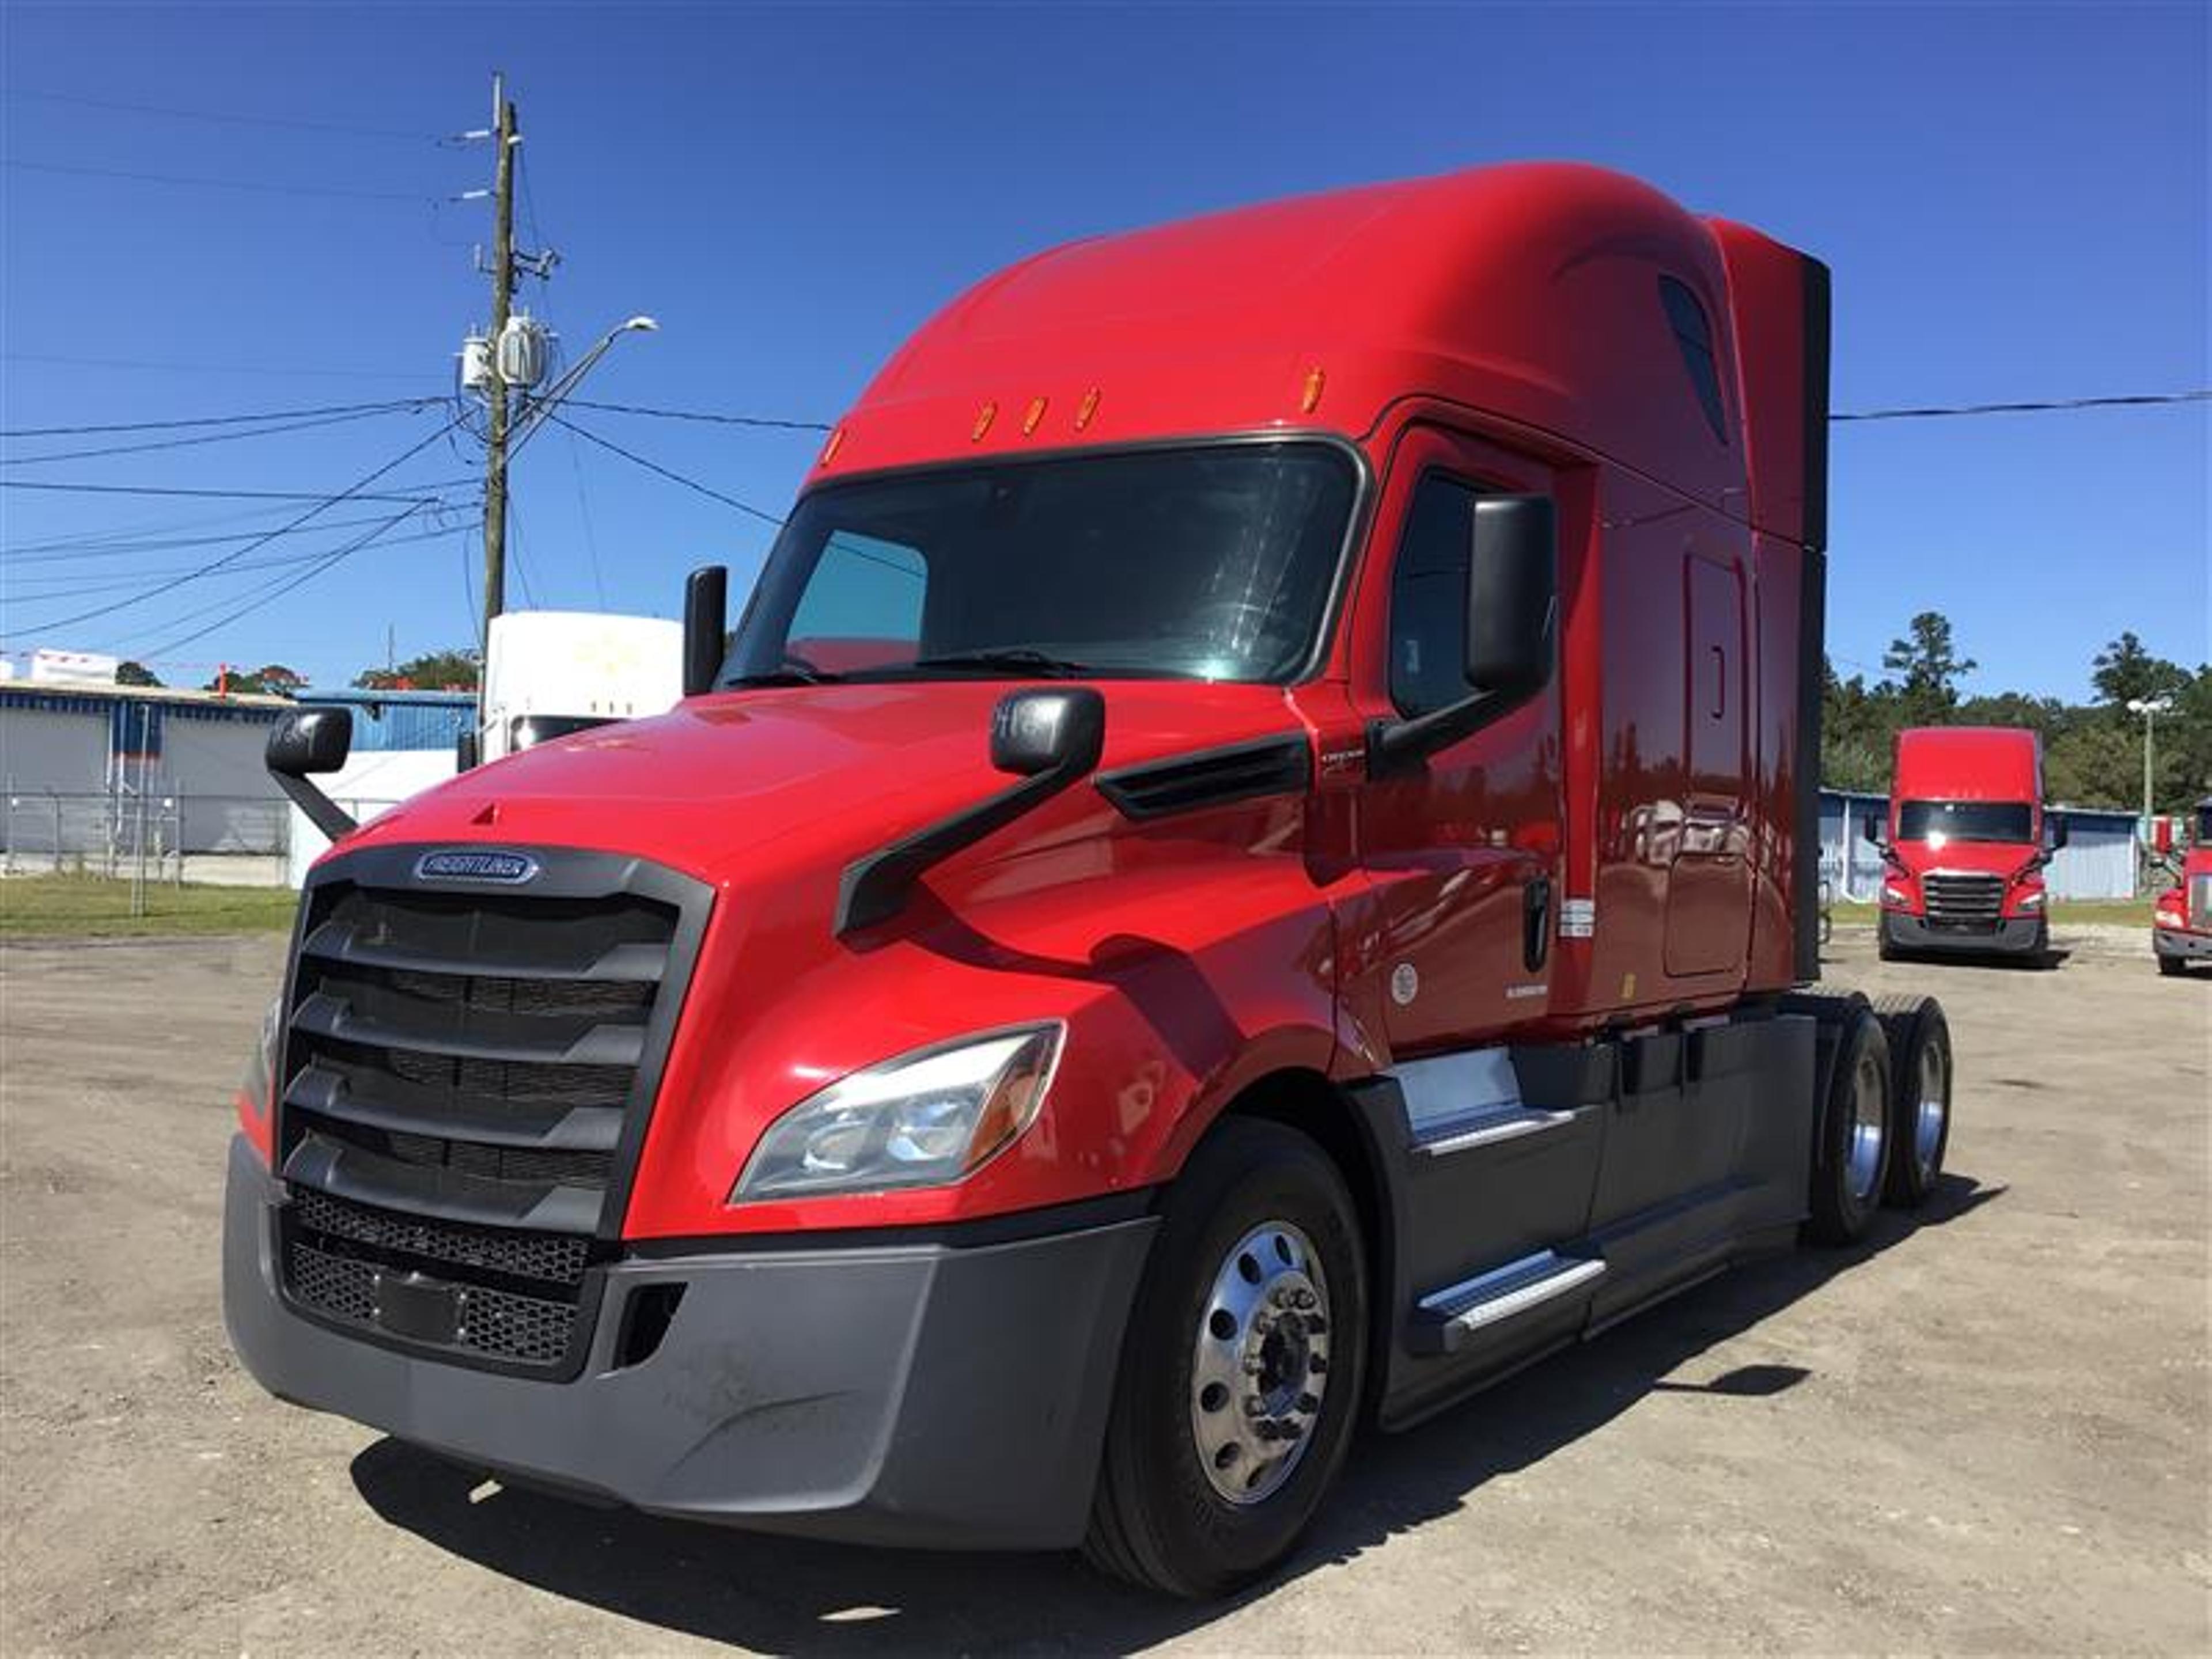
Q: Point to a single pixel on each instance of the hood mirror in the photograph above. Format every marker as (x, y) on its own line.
(706, 627)
(1035, 732)
(306, 743)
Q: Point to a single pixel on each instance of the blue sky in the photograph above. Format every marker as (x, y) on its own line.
(2014, 198)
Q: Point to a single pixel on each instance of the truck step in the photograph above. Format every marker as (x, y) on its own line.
(1446, 1320)
(1466, 1132)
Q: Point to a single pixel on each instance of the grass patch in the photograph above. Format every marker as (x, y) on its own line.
(99, 906)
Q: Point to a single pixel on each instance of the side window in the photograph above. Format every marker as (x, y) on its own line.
(1694, 334)
(1428, 597)
(863, 589)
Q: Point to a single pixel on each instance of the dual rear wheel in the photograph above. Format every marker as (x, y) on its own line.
(1885, 1125)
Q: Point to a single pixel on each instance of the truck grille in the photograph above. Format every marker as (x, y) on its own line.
(1963, 901)
(2200, 903)
(467, 1073)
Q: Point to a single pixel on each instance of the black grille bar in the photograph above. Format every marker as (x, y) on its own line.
(1964, 899)
(366, 1016)
(330, 1092)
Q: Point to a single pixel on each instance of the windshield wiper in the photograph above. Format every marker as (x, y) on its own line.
(1019, 659)
(785, 675)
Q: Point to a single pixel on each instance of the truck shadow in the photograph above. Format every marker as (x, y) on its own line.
(796, 1596)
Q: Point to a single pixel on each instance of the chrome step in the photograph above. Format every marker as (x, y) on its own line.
(1445, 1320)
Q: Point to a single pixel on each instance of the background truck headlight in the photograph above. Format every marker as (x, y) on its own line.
(919, 1121)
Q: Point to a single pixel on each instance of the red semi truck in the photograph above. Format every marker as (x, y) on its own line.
(2181, 921)
(1250, 867)
(1963, 857)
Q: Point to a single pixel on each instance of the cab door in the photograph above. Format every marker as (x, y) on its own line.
(1463, 851)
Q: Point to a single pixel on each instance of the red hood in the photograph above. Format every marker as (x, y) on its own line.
(822, 770)
(1981, 857)
(2197, 862)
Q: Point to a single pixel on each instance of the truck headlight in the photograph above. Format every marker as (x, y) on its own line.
(1892, 894)
(2033, 898)
(919, 1121)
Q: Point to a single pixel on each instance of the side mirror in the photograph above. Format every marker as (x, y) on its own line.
(1512, 630)
(1870, 831)
(706, 627)
(468, 750)
(2059, 833)
(305, 742)
(1512, 596)
(1034, 731)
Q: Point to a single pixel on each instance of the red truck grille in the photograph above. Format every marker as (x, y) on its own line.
(1963, 900)
(467, 1076)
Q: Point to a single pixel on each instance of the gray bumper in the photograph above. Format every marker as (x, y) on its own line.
(915, 1394)
(2181, 944)
(2017, 936)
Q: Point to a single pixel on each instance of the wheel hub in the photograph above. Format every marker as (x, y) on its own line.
(1869, 1129)
(1260, 1368)
(1931, 1108)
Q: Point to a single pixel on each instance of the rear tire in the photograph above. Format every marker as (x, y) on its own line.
(1216, 1456)
(1919, 1039)
(1851, 1143)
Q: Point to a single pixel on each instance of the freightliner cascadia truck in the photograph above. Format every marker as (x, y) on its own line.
(1963, 862)
(1249, 867)
(2181, 919)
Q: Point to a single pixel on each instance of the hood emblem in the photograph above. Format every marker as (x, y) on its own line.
(475, 864)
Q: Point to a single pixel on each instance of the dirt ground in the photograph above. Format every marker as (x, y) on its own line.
(1987, 1432)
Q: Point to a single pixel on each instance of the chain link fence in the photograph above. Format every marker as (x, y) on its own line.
(157, 835)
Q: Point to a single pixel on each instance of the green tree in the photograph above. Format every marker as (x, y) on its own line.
(2125, 672)
(433, 671)
(1931, 666)
(136, 673)
(270, 679)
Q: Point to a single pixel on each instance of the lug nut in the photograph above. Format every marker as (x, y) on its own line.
(1309, 1404)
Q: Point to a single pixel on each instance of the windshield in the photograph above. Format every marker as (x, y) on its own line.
(1205, 563)
(2204, 826)
(2009, 821)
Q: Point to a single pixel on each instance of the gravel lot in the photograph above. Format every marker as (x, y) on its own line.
(1988, 1431)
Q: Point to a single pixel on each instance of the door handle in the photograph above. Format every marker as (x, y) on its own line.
(1536, 922)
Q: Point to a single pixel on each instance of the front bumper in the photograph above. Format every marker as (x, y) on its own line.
(2182, 944)
(927, 1394)
(2014, 936)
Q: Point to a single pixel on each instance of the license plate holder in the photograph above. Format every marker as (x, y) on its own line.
(417, 1306)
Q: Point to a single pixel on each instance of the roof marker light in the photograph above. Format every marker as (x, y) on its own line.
(1087, 409)
(1035, 414)
(984, 416)
(829, 450)
(1311, 399)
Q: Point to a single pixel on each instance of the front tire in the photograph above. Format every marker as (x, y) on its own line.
(2172, 967)
(1225, 1433)
(1851, 1145)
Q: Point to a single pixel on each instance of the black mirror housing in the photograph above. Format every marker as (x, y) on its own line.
(2059, 830)
(706, 627)
(468, 749)
(1512, 595)
(305, 742)
(1035, 732)
(1870, 831)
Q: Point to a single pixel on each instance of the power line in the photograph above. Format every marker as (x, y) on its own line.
(350, 491)
(138, 364)
(42, 553)
(115, 584)
(215, 420)
(2135, 400)
(202, 181)
(74, 487)
(223, 116)
(284, 587)
(745, 507)
(706, 416)
(232, 435)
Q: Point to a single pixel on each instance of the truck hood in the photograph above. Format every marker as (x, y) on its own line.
(812, 771)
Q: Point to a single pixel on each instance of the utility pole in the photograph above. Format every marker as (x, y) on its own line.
(505, 136)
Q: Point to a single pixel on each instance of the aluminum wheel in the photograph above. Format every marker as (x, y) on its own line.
(1869, 1127)
(1932, 1105)
(1260, 1364)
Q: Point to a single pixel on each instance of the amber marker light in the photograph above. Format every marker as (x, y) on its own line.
(1310, 399)
(1087, 409)
(1035, 414)
(984, 416)
(829, 450)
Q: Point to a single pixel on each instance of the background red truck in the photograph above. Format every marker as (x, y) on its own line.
(1963, 860)
(2181, 922)
(1248, 868)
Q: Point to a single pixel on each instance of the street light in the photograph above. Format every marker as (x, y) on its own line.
(2150, 708)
